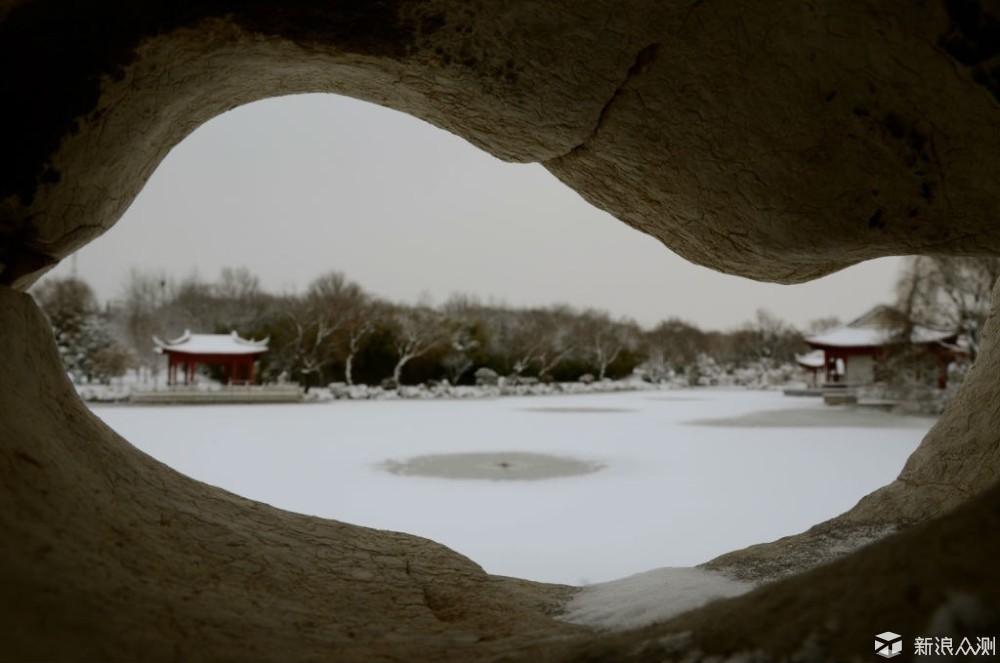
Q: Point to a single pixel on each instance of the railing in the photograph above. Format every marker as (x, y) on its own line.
(179, 394)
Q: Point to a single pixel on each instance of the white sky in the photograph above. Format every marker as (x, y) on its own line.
(297, 186)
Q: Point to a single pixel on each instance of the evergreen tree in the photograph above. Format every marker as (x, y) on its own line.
(80, 331)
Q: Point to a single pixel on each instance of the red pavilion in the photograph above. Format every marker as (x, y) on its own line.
(235, 354)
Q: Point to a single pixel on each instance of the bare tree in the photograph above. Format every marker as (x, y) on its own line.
(239, 300)
(513, 339)
(309, 347)
(823, 324)
(463, 341)
(359, 325)
(191, 305)
(676, 343)
(417, 331)
(523, 338)
(464, 315)
(237, 284)
(354, 311)
(767, 339)
(142, 315)
(311, 322)
(605, 339)
(556, 328)
(949, 293)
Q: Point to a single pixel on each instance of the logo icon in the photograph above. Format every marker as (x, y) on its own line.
(888, 644)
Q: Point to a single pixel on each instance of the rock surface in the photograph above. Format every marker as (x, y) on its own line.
(109, 555)
(957, 460)
(773, 140)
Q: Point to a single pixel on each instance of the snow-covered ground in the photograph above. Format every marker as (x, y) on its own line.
(755, 466)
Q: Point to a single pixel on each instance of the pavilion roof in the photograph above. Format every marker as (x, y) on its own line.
(876, 328)
(814, 359)
(211, 344)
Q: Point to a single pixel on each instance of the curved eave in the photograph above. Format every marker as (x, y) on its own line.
(218, 356)
(827, 347)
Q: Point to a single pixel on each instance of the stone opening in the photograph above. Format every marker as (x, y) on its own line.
(726, 144)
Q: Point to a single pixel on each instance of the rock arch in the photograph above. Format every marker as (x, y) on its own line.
(775, 142)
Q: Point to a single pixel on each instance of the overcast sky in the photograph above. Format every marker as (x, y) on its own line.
(294, 187)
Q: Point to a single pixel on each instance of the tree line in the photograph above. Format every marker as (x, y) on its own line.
(335, 331)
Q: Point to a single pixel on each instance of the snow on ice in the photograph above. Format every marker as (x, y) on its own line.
(650, 597)
(670, 492)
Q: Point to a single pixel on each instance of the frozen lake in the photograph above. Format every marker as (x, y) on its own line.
(683, 475)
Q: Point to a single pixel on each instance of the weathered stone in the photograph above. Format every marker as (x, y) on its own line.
(904, 583)
(108, 554)
(775, 140)
(721, 129)
(956, 461)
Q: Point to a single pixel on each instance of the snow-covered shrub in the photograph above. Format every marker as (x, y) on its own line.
(339, 389)
(486, 377)
(103, 393)
(317, 395)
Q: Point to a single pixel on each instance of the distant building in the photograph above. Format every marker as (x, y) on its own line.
(233, 353)
(812, 362)
(855, 353)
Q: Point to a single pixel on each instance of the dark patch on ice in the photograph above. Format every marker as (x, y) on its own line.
(829, 417)
(576, 410)
(493, 466)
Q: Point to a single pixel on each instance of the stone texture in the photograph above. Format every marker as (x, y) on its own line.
(937, 579)
(154, 72)
(957, 460)
(108, 554)
(730, 138)
(773, 140)
(720, 128)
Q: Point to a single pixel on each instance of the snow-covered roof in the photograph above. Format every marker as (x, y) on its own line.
(875, 328)
(211, 344)
(814, 359)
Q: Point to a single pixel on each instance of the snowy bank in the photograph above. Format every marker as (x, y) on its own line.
(709, 374)
(343, 391)
(647, 598)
